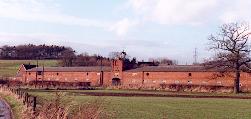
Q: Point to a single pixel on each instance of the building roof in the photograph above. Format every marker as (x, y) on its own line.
(174, 68)
(29, 66)
(71, 69)
(169, 68)
(140, 64)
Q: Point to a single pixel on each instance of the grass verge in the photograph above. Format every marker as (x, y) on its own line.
(15, 105)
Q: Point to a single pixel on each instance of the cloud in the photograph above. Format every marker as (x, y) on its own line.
(165, 12)
(43, 11)
(49, 11)
(236, 11)
(180, 12)
(172, 11)
(123, 26)
(42, 38)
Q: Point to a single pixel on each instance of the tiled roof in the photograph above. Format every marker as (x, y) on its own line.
(29, 66)
(72, 69)
(173, 68)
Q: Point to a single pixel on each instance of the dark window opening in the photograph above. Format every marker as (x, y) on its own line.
(57, 73)
(39, 73)
(29, 73)
(189, 74)
(87, 74)
(116, 82)
(147, 74)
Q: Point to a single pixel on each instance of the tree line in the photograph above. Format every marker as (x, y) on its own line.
(67, 56)
(32, 52)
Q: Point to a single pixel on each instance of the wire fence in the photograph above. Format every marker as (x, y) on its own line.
(28, 100)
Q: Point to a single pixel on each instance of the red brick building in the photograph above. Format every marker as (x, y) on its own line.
(146, 77)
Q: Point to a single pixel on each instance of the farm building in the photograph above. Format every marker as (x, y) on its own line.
(146, 76)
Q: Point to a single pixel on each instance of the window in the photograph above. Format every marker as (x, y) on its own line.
(39, 73)
(219, 83)
(29, 73)
(176, 81)
(134, 74)
(204, 82)
(189, 74)
(87, 73)
(116, 74)
(147, 74)
(57, 74)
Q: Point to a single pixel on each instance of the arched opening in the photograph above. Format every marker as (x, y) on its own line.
(116, 81)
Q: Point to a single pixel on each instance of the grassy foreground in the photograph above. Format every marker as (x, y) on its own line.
(15, 105)
(9, 67)
(163, 107)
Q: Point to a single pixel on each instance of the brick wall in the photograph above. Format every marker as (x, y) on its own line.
(154, 79)
(141, 78)
(138, 78)
(92, 77)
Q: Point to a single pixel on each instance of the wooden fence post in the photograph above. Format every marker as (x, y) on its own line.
(28, 100)
(34, 103)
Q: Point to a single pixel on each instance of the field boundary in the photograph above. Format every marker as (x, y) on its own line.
(28, 100)
(149, 94)
(158, 95)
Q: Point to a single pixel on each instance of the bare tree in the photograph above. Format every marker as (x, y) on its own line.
(232, 49)
(113, 55)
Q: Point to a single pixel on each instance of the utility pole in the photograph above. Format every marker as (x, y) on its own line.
(195, 56)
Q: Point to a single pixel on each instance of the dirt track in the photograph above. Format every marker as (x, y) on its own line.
(159, 95)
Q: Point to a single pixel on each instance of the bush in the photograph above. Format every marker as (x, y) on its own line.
(60, 108)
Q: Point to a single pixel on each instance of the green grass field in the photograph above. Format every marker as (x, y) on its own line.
(9, 67)
(163, 107)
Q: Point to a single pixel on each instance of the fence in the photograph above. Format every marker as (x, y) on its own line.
(28, 100)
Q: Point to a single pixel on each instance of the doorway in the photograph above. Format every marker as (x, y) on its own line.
(116, 82)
